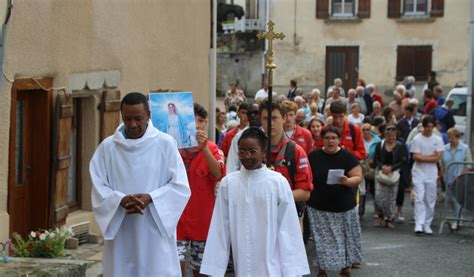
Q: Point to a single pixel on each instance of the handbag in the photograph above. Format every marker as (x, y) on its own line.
(388, 179)
(367, 170)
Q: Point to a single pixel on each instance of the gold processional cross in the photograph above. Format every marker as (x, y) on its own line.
(270, 35)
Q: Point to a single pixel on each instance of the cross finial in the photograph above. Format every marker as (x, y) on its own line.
(270, 35)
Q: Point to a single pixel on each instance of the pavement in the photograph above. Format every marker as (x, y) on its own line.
(387, 252)
(400, 252)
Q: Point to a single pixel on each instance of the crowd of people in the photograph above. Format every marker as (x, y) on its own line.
(327, 153)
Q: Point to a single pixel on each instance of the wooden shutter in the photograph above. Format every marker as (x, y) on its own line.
(423, 58)
(394, 7)
(110, 113)
(322, 8)
(437, 8)
(63, 124)
(364, 9)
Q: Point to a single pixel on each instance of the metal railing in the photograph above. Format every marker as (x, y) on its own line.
(244, 25)
(463, 193)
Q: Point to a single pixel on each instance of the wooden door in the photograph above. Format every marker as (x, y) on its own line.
(20, 163)
(342, 62)
(29, 156)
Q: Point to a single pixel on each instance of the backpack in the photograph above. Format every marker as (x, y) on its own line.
(290, 164)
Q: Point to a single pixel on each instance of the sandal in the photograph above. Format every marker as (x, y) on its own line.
(345, 272)
(378, 222)
(390, 225)
(356, 265)
(322, 273)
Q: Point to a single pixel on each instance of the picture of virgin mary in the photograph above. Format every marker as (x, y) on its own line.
(173, 113)
(176, 127)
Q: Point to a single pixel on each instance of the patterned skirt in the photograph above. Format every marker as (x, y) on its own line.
(385, 200)
(337, 238)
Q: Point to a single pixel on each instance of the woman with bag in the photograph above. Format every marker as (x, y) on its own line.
(389, 156)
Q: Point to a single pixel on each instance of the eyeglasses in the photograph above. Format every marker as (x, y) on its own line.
(246, 152)
(331, 137)
(365, 129)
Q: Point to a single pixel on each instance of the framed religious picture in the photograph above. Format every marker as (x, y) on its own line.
(173, 113)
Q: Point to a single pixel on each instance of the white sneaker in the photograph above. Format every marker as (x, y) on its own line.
(427, 230)
(418, 230)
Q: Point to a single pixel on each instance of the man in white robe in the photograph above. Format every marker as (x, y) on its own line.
(140, 189)
(256, 214)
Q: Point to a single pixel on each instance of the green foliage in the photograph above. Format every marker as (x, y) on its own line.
(42, 243)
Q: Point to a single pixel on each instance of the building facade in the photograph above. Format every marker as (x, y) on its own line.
(66, 66)
(378, 41)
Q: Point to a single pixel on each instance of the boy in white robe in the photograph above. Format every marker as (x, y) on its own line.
(256, 213)
(139, 191)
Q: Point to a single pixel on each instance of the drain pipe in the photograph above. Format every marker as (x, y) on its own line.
(469, 136)
(6, 6)
(212, 74)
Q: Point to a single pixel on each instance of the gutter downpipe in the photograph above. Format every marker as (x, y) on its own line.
(470, 78)
(3, 40)
(212, 74)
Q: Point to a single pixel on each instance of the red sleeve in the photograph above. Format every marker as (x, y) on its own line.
(227, 141)
(219, 155)
(303, 175)
(309, 141)
(429, 107)
(359, 147)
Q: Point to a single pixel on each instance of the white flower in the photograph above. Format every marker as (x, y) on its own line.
(33, 234)
(52, 235)
(42, 237)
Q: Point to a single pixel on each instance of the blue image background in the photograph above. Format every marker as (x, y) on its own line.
(184, 106)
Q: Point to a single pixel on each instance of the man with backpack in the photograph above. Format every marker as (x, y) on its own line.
(288, 158)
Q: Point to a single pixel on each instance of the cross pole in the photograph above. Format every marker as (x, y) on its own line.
(270, 35)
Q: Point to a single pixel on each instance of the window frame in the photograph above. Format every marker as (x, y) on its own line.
(342, 15)
(415, 12)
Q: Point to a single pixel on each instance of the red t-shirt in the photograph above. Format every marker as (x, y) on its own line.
(377, 97)
(303, 138)
(303, 175)
(429, 106)
(356, 145)
(227, 140)
(196, 218)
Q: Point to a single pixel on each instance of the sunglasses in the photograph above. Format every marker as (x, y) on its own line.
(391, 129)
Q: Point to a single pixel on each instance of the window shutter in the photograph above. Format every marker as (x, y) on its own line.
(62, 159)
(110, 113)
(364, 9)
(322, 8)
(394, 8)
(437, 8)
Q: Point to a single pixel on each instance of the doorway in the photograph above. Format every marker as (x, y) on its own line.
(29, 156)
(342, 62)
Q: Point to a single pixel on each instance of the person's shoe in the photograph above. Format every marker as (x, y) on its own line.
(454, 226)
(427, 230)
(418, 230)
(400, 218)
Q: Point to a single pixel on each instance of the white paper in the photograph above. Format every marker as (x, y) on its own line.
(334, 175)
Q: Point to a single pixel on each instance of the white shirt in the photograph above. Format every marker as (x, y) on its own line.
(261, 94)
(256, 214)
(426, 146)
(150, 164)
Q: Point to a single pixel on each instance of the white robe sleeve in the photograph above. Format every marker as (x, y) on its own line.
(290, 240)
(217, 251)
(170, 199)
(233, 162)
(105, 200)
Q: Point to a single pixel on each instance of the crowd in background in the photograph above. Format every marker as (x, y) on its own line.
(387, 136)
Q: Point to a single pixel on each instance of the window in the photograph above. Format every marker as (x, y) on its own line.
(414, 61)
(337, 9)
(415, 7)
(343, 7)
